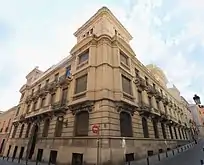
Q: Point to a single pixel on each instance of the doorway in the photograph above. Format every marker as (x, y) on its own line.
(77, 159)
(14, 152)
(33, 140)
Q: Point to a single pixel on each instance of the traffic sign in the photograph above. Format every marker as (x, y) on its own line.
(95, 129)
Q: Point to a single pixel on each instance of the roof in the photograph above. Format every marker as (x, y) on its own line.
(99, 13)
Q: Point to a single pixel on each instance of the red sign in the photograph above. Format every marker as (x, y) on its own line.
(95, 129)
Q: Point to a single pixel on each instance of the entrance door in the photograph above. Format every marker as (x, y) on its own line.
(77, 159)
(14, 152)
(21, 153)
(33, 141)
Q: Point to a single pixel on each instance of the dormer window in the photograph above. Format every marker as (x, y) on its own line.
(83, 57)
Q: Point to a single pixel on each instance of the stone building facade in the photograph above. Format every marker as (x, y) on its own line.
(101, 83)
(6, 119)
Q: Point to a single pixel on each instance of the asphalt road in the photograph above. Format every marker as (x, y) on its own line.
(189, 157)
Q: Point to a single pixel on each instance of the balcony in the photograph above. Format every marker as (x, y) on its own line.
(140, 82)
(53, 86)
(151, 90)
(64, 80)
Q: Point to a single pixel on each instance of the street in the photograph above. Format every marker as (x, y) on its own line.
(190, 157)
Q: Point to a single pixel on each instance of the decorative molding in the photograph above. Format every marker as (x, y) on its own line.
(84, 106)
(125, 107)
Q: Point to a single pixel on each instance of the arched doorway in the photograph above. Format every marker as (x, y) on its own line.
(33, 139)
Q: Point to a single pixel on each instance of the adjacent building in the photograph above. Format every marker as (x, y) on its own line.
(6, 119)
(101, 84)
(197, 112)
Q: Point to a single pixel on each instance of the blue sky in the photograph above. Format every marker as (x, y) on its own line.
(40, 33)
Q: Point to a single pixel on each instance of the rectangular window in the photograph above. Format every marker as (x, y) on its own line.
(126, 85)
(18, 110)
(35, 105)
(32, 91)
(123, 58)
(139, 97)
(150, 101)
(157, 105)
(28, 108)
(137, 73)
(154, 86)
(47, 81)
(83, 57)
(39, 86)
(81, 84)
(56, 77)
(64, 95)
(146, 81)
(53, 95)
(43, 102)
(68, 71)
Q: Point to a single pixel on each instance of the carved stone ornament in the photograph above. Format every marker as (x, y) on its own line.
(150, 90)
(85, 106)
(52, 87)
(122, 106)
(64, 80)
(140, 83)
(59, 109)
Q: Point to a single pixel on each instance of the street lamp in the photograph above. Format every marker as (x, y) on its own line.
(196, 98)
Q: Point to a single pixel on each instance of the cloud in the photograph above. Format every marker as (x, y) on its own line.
(41, 34)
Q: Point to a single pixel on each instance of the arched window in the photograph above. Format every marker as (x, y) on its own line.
(28, 130)
(163, 130)
(59, 127)
(145, 127)
(82, 123)
(14, 131)
(21, 131)
(46, 128)
(125, 125)
(155, 126)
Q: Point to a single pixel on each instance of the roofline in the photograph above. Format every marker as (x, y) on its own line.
(102, 10)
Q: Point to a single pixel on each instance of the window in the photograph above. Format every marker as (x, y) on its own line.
(22, 96)
(126, 85)
(21, 131)
(91, 31)
(158, 107)
(139, 97)
(56, 77)
(146, 81)
(39, 86)
(35, 105)
(145, 127)
(137, 73)
(46, 82)
(58, 127)
(43, 102)
(171, 134)
(18, 110)
(68, 71)
(27, 130)
(156, 133)
(180, 133)
(83, 57)
(150, 101)
(64, 95)
(154, 86)
(52, 100)
(81, 84)
(14, 131)
(53, 157)
(123, 58)
(32, 91)
(125, 124)
(163, 130)
(82, 123)
(28, 108)
(175, 133)
(46, 128)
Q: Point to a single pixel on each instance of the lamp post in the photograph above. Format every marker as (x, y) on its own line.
(196, 98)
